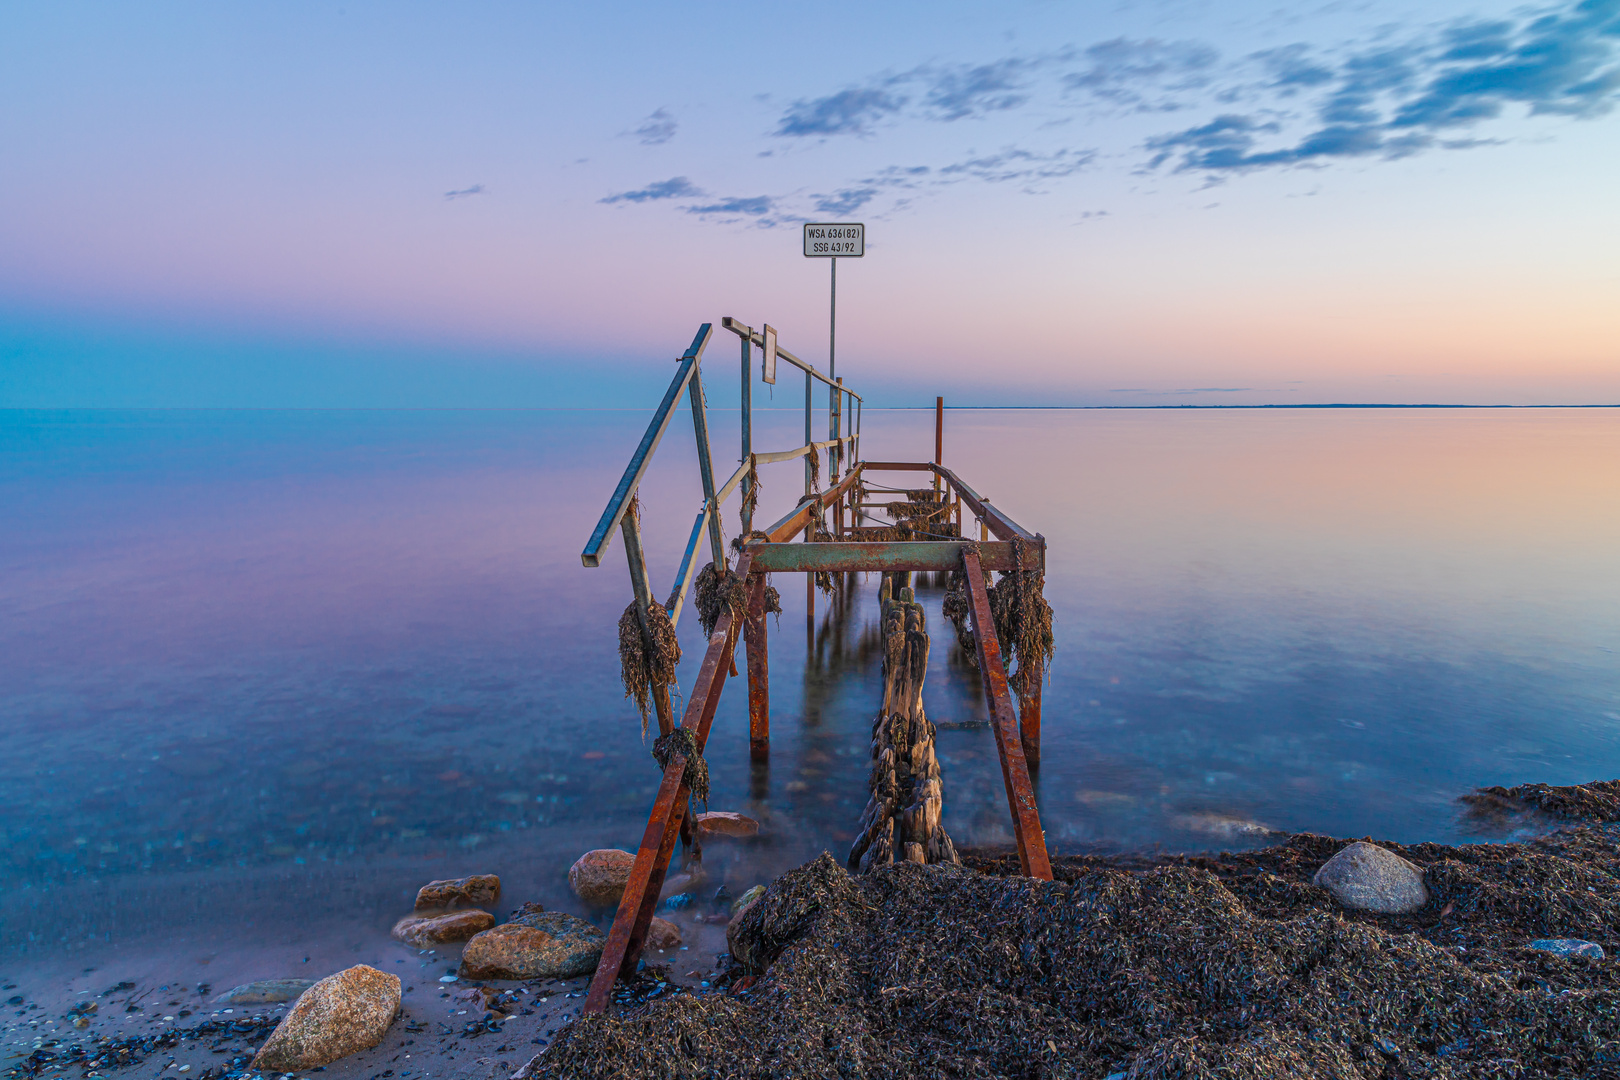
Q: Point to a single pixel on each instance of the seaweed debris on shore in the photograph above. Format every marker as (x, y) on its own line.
(1151, 968)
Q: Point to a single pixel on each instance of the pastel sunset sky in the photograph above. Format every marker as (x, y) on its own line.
(1067, 203)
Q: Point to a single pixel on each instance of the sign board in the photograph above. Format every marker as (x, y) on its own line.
(767, 363)
(826, 240)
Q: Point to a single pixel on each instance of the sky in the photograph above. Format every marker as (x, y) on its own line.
(532, 204)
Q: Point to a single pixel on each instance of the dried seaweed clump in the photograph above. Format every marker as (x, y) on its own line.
(647, 659)
(717, 592)
(1211, 969)
(750, 498)
(1023, 620)
(957, 607)
(1595, 802)
(696, 774)
(814, 458)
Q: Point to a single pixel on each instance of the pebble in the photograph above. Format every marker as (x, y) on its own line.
(679, 901)
(454, 892)
(599, 877)
(1366, 877)
(340, 1015)
(718, 823)
(663, 934)
(264, 992)
(423, 932)
(1569, 947)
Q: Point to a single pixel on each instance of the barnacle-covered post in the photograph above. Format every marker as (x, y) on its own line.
(902, 816)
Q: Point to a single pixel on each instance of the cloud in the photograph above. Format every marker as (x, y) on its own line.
(1394, 101)
(973, 90)
(755, 206)
(845, 200)
(657, 129)
(1120, 70)
(848, 112)
(676, 187)
(1015, 164)
(476, 189)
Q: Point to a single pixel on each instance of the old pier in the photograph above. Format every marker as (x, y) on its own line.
(924, 535)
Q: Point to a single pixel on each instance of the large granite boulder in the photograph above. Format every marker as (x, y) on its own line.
(1366, 877)
(537, 945)
(339, 1015)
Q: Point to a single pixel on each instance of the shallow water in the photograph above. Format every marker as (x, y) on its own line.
(276, 669)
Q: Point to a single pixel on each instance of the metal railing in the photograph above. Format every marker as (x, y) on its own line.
(842, 448)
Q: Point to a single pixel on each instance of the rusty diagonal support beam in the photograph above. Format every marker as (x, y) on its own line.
(629, 932)
(1014, 770)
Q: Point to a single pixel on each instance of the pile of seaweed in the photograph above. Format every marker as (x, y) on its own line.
(1230, 966)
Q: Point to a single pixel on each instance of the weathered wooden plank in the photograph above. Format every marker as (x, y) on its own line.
(1014, 770)
(630, 924)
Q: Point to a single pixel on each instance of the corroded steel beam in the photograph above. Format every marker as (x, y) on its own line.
(629, 932)
(934, 555)
(1004, 527)
(800, 517)
(1014, 769)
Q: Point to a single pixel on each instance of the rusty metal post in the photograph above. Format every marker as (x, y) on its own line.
(1029, 726)
(939, 436)
(700, 425)
(747, 429)
(759, 676)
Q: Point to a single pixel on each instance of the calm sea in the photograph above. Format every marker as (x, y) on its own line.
(264, 673)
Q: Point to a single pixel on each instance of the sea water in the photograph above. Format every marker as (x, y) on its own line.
(262, 674)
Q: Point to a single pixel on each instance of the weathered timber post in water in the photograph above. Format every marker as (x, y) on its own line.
(901, 820)
(923, 535)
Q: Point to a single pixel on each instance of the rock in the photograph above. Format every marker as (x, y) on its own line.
(745, 899)
(678, 901)
(726, 823)
(1568, 946)
(663, 934)
(424, 932)
(454, 892)
(685, 881)
(339, 1015)
(599, 876)
(1366, 877)
(264, 992)
(539, 945)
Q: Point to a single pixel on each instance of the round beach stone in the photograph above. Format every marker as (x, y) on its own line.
(543, 945)
(663, 934)
(1568, 946)
(264, 992)
(718, 823)
(340, 1015)
(424, 932)
(454, 892)
(1366, 877)
(599, 876)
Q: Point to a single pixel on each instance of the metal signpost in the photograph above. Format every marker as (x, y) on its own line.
(830, 240)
